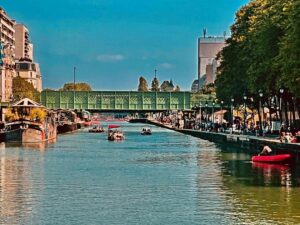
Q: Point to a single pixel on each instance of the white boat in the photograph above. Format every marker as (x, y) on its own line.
(146, 131)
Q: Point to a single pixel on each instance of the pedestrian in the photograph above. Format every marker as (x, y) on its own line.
(266, 150)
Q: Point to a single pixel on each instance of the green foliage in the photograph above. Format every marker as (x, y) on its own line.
(288, 59)
(155, 84)
(196, 98)
(37, 114)
(263, 51)
(78, 87)
(143, 85)
(11, 115)
(48, 89)
(23, 89)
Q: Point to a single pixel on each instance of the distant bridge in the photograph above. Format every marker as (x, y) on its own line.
(122, 101)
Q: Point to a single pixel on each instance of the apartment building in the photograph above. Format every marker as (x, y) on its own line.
(23, 45)
(208, 48)
(25, 65)
(7, 54)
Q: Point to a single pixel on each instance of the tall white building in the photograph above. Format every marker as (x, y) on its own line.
(7, 54)
(208, 48)
(25, 65)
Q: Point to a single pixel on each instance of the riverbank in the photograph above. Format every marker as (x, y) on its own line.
(252, 144)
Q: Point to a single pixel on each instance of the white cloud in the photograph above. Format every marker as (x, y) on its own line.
(110, 58)
(166, 65)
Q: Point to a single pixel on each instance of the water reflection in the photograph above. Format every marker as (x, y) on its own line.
(261, 193)
(40, 146)
(15, 182)
(168, 178)
(271, 174)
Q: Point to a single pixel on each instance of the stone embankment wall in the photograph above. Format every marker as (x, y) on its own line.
(252, 144)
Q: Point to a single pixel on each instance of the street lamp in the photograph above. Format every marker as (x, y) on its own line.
(222, 102)
(281, 91)
(260, 98)
(74, 85)
(74, 75)
(245, 111)
(206, 104)
(200, 104)
(213, 111)
(232, 101)
(294, 110)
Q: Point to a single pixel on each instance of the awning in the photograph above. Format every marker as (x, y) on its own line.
(113, 126)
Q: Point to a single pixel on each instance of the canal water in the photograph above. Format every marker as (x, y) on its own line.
(166, 178)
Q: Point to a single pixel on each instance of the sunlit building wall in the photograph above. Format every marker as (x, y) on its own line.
(208, 48)
(7, 54)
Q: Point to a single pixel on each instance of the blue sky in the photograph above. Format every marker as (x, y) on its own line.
(113, 42)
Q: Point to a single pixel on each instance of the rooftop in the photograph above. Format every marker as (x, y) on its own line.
(212, 39)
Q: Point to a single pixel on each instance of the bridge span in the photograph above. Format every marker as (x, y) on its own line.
(129, 101)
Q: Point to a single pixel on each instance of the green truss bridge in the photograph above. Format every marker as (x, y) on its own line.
(123, 101)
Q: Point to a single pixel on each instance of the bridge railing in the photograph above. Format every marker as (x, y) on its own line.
(116, 100)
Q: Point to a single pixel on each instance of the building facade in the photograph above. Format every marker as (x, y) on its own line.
(16, 57)
(25, 65)
(22, 42)
(7, 54)
(30, 71)
(208, 48)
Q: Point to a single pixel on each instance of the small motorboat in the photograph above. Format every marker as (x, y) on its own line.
(146, 131)
(115, 134)
(281, 158)
(96, 129)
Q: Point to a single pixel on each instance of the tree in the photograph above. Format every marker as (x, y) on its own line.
(23, 89)
(177, 88)
(155, 84)
(165, 85)
(48, 89)
(288, 58)
(262, 52)
(78, 87)
(143, 85)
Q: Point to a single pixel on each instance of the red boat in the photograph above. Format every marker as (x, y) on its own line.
(282, 158)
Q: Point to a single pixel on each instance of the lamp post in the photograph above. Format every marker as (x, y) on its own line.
(206, 104)
(213, 112)
(294, 110)
(232, 101)
(281, 91)
(260, 122)
(74, 85)
(200, 104)
(74, 75)
(245, 111)
(222, 102)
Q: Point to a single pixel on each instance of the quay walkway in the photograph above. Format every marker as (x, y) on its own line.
(251, 143)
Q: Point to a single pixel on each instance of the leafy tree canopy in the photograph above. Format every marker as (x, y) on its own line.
(78, 87)
(143, 85)
(263, 51)
(23, 89)
(155, 84)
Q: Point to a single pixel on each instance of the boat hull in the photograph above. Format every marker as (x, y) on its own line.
(66, 128)
(95, 131)
(30, 134)
(282, 158)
